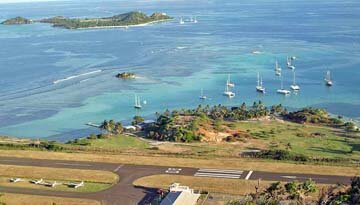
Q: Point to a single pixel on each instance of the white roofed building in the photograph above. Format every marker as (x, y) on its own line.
(180, 195)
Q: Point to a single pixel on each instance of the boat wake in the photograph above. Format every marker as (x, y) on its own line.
(76, 76)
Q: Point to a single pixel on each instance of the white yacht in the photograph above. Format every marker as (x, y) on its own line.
(202, 96)
(195, 20)
(277, 69)
(181, 21)
(328, 80)
(282, 90)
(137, 104)
(294, 86)
(228, 93)
(229, 83)
(290, 63)
(259, 86)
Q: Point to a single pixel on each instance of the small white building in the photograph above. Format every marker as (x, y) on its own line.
(180, 195)
(130, 128)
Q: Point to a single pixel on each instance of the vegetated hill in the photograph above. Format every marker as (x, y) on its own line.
(126, 19)
(313, 115)
(16, 21)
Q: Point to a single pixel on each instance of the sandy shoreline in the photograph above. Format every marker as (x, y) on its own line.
(127, 26)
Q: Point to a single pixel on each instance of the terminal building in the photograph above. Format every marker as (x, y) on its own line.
(180, 195)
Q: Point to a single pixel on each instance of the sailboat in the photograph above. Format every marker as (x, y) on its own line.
(195, 20)
(328, 80)
(259, 86)
(202, 96)
(229, 83)
(282, 90)
(181, 21)
(137, 104)
(290, 63)
(228, 93)
(277, 69)
(294, 86)
(191, 19)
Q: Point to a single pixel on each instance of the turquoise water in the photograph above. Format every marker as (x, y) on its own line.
(173, 61)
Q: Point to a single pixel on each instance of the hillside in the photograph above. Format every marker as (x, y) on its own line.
(126, 19)
(16, 21)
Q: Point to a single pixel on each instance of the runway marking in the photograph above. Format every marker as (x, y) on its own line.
(173, 170)
(230, 176)
(119, 167)
(70, 164)
(289, 177)
(219, 173)
(249, 175)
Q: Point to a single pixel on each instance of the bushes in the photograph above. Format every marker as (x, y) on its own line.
(281, 155)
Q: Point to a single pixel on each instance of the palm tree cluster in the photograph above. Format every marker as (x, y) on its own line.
(112, 127)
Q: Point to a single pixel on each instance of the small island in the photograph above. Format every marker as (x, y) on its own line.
(17, 21)
(126, 75)
(135, 18)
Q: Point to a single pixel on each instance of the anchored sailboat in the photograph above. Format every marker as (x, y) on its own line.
(259, 86)
(282, 90)
(277, 69)
(229, 83)
(202, 96)
(228, 93)
(290, 63)
(181, 21)
(294, 86)
(195, 20)
(137, 104)
(328, 80)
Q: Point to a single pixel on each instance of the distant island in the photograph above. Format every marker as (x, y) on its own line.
(126, 75)
(134, 18)
(17, 21)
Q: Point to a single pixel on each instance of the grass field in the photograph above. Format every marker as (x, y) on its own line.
(58, 174)
(94, 180)
(213, 185)
(309, 140)
(222, 163)
(119, 142)
(22, 199)
(88, 187)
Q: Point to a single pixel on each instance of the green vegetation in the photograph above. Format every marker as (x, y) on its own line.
(16, 21)
(300, 193)
(126, 75)
(126, 19)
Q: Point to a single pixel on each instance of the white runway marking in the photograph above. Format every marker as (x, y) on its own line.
(219, 173)
(173, 170)
(70, 164)
(117, 168)
(230, 176)
(248, 175)
(289, 177)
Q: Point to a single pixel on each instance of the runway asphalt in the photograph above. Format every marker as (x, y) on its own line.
(124, 193)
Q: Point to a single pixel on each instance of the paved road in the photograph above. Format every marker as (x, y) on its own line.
(124, 193)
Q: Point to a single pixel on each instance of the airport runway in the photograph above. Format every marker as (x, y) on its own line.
(124, 193)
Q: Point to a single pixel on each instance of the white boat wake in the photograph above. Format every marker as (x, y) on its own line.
(76, 76)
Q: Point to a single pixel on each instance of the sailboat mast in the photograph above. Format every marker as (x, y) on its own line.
(261, 83)
(258, 79)
(282, 83)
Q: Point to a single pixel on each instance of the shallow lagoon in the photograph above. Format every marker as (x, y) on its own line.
(173, 61)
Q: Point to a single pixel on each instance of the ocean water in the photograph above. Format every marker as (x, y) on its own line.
(173, 62)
